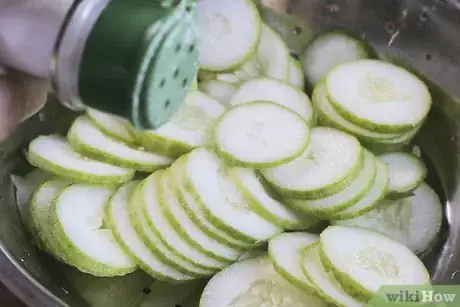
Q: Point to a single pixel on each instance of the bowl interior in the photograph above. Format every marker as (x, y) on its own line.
(420, 34)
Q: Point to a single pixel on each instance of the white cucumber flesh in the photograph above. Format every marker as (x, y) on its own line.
(207, 179)
(406, 172)
(230, 32)
(378, 95)
(40, 207)
(160, 224)
(326, 285)
(332, 161)
(271, 60)
(344, 199)
(188, 128)
(219, 90)
(189, 231)
(328, 116)
(265, 205)
(53, 154)
(155, 244)
(118, 219)
(363, 261)
(414, 221)
(193, 208)
(86, 139)
(286, 251)
(230, 78)
(376, 193)
(296, 77)
(112, 125)
(260, 135)
(329, 50)
(265, 89)
(273, 55)
(77, 218)
(254, 282)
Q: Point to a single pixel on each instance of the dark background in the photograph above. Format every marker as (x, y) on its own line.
(8, 299)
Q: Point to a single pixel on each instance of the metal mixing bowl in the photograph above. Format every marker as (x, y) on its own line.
(423, 34)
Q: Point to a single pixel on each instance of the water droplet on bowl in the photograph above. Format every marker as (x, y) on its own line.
(42, 116)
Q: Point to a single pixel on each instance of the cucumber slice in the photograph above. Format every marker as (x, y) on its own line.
(378, 95)
(272, 59)
(332, 162)
(273, 55)
(218, 90)
(326, 285)
(398, 144)
(265, 205)
(377, 192)
(250, 69)
(286, 252)
(254, 283)
(40, 207)
(189, 127)
(253, 253)
(260, 135)
(121, 291)
(77, 221)
(155, 244)
(264, 89)
(111, 125)
(230, 78)
(195, 212)
(329, 50)
(330, 117)
(230, 32)
(185, 226)
(296, 77)
(86, 139)
(406, 173)
(53, 154)
(24, 190)
(117, 218)
(207, 179)
(364, 260)
(413, 221)
(26, 186)
(159, 223)
(416, 151)
(344, 199)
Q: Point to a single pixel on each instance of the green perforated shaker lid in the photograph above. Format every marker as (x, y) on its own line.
(140, 60)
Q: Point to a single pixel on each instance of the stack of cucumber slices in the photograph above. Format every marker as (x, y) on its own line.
(249, 161)
(344, 266)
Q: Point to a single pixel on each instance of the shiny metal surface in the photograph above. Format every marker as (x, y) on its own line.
(422, 33)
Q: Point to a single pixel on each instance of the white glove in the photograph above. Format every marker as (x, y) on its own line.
(21, 95)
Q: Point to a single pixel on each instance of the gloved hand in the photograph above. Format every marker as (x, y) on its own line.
(21, 96)
(24, 46)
